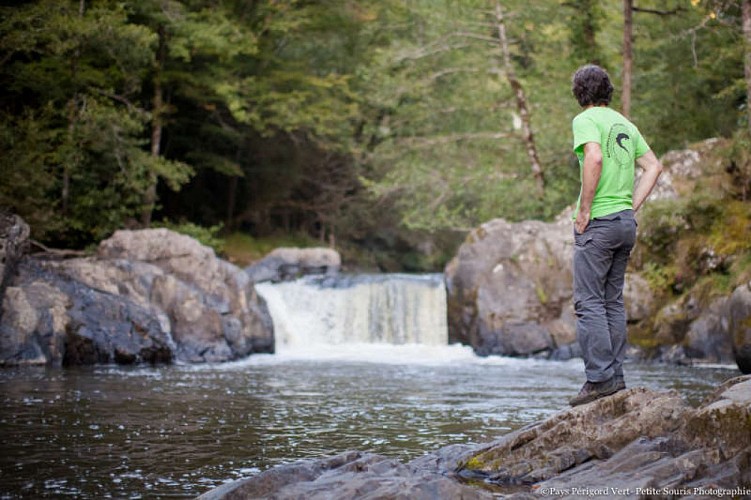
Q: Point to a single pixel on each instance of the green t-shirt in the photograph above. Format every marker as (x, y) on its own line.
(621, 144)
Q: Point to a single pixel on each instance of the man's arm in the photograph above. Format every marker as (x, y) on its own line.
(652, 170)
(591, 171)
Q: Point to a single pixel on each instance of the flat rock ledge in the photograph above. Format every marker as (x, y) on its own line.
(637, 443)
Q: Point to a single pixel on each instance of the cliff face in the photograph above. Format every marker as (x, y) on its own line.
(510, 285)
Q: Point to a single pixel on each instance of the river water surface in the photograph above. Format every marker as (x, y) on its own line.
(178, 431)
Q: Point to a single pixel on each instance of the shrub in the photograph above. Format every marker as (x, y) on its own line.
(208, 236)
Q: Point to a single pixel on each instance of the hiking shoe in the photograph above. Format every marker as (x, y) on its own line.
(594, 390)
(620, 383)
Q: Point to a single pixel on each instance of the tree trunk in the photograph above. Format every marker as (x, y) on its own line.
(72, 118)
(746, 7)
(521, 103)
(72, 113)
(157, 109)
(628, 56)
(231, 200)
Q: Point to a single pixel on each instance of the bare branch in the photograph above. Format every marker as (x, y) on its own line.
(447, 139)
(437, 47)
(452, 71)
(121, 99)
(658, 12)
(475, 36)
(54, 252)
(521, 101)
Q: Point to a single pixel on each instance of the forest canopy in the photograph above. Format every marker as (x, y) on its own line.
(387, 126)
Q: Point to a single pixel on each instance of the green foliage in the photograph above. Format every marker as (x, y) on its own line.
(27, 170)
(209, 236)
(701, 241)
(586, 17)
(380, 125)
(243, 249)
(660, 278)
(739, 156)
(444, 144)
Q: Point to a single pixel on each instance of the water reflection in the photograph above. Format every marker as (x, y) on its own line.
(181, 430)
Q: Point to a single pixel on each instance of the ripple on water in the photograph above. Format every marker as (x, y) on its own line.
(181, 430)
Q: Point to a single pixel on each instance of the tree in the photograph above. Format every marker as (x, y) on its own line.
(450, 140)
(746, 13)
(196, 43)
(70, 73)
(521, 102)
(628, 57)
(584, 24)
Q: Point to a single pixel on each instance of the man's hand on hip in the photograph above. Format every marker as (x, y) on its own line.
(582, 221)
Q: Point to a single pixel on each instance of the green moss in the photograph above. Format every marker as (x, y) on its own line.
(660, 278)
(643, 338)
(475, 463)
(242, 249)
(541, 295)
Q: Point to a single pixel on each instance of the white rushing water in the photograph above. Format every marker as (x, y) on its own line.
(325, 315)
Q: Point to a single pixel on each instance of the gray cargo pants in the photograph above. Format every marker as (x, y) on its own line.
(600, 258)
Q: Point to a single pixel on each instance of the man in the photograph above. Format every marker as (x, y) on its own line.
(607, 145)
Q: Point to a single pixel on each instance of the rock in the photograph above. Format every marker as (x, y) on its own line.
(14, 242)
(622, 446)
(683, 169)
(708, 338)
(283, 264)
(589, 432)
(687, 332)
(635, 439)
(638, 298)
(739, 307)
(510, 290)
(33, 330)
(215, 312)
(346, 476)
(506, 282)
(149, 296)
(58, 321)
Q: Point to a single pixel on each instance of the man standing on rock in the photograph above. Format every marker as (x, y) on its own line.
(608, 145)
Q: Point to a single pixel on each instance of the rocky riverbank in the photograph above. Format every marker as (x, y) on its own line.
(636, 443)
(146, 296)
(509, 287)
(159, 296)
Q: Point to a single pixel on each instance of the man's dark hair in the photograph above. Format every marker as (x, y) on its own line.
(591, 85)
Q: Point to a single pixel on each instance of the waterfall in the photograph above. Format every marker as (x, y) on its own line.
(317, 311)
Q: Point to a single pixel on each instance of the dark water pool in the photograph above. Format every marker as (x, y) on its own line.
(178, 431)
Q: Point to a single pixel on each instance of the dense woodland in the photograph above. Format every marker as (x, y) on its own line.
(384, 127)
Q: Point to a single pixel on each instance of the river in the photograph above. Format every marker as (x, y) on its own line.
(392, 386)
(178, 431)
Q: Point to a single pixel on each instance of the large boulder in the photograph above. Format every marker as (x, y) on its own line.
(148, 296)
(14, 242)
(510, 289)
(33, 328)
(740, 326)
(506, 283)
(52, 319)
(283, 264)
(633, 441)
(684, 168)
(689, 331)
(214, 310)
